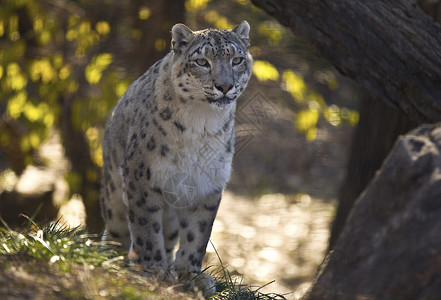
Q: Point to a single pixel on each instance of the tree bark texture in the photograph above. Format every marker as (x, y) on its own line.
(391, 245)
(392, 48)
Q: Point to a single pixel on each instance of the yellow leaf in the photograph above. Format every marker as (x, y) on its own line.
(160, 45)
(307, 119)
(144, 13)
(295, 85)
(121, 87)
(193, 5)
(264, 71)
(15, 78)
(102, 27)
(94, 70)
(311, 134)
(16, 104)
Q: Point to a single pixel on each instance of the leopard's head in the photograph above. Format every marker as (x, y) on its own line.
(211, 65)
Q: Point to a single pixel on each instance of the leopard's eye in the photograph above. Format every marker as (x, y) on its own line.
(202, 62)
(237, 60)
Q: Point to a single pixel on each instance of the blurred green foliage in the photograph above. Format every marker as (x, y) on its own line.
(47, 54)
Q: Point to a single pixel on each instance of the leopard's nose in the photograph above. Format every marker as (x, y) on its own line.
(224, 88)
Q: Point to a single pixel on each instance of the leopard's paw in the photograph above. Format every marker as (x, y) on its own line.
(199, 282)
(161, 273)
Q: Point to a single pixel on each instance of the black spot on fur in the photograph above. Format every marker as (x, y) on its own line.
(149, 174)
(166, 114)
(140, 202)
(167, 96)
(139, 241)
(142, 221)
(148, 246)
(132, 186)
(202, 226)
(158, 256)
(193, 260)
(153, 208)
(147, 258)
(183, 223)
(156, 227)
(201, 249)
(130, 156)
(164, 150)
(143, 77)
(159, 127)
(151, 144)
(109, 214)
(228, 146)
(179, 126)
(190, 237)
(154, 109)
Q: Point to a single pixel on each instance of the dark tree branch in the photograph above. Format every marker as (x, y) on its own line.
(392, 48)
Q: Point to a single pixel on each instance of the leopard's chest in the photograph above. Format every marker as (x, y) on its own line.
(194, 167)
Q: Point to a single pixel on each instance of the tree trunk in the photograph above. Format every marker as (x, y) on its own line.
(78, 152)
(376, 132)
(154, 41)
(392, 48)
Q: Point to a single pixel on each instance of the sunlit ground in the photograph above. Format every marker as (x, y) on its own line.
(275, 237)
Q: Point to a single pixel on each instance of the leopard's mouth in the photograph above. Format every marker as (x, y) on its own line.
(222, 101)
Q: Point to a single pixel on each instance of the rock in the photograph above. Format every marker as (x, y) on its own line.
(390, 247)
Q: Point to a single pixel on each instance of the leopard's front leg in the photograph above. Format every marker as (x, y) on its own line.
(195, 224)
(145, 210)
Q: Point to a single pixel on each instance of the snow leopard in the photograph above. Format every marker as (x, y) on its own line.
(168, 146)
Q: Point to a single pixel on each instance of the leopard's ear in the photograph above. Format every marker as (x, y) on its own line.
(181, 36)
(243, 31)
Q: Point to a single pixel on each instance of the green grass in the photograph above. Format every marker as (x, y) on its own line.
(56, 243)
(67, 263)
(231, 287)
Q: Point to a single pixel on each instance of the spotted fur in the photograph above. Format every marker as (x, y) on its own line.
(168, 147)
